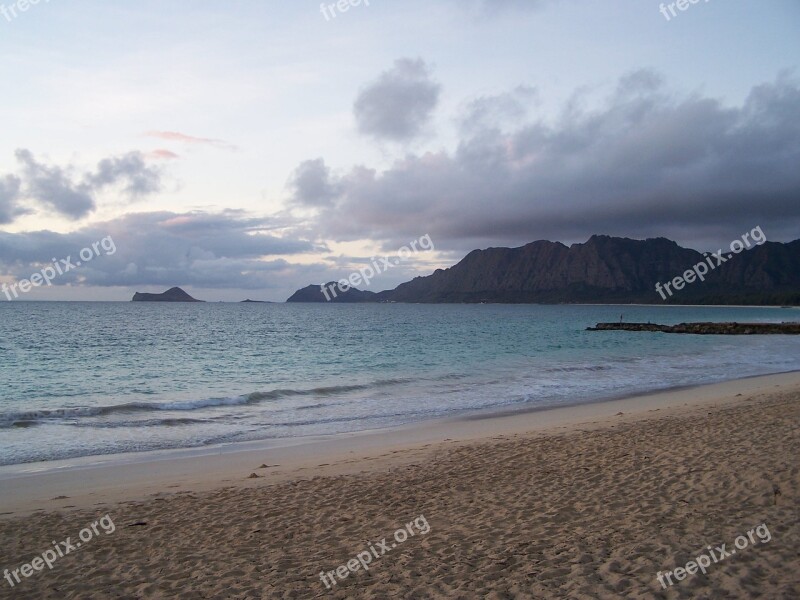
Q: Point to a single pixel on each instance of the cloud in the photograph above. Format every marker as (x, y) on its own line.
(137, 178)
(494, 7)
(53, 187)
(209, 250)
(311, 184)
(67, 193)
(175, 136)
(9, 196)
(642, 162)
(162, 154)
(639, 82)
(493, 111)
(397, 106)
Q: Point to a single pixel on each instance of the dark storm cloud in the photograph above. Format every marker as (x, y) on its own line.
(227, 250)
(398, 105)
(73, 195)
(645, 163)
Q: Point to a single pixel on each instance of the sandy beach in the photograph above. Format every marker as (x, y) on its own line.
(587, 501)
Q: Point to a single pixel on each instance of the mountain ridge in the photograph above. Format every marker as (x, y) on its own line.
(604, 269)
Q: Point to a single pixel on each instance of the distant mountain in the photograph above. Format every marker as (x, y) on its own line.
(607, 270)
(248, 301)
(175, 294)
(313, 293)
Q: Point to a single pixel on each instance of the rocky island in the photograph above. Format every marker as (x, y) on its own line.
(175, 294)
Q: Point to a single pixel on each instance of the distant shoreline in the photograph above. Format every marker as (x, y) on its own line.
(274, 302)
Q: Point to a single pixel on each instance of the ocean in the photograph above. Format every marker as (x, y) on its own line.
(94, 378)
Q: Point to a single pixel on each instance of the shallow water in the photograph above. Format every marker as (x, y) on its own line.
(81, 379)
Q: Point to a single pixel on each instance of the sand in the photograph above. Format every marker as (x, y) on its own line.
(580, 502)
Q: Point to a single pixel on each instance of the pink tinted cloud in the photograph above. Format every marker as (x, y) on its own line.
(162, 154)
(176, 136)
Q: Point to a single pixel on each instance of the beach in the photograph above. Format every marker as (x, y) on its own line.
(426, 322)
(589, 501)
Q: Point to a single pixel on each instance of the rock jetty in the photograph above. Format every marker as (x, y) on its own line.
(705, 328)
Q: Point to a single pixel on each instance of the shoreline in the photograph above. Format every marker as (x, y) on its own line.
(212, 302)
(73, 484)
(612, 500)
(467, 414)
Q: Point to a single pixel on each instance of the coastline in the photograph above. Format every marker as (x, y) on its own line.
(75, 484)
(614, 499)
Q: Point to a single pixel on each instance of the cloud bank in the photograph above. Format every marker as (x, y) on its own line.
(212, 250)
(643, 162)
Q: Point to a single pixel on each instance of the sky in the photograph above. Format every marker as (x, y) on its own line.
(246, 149)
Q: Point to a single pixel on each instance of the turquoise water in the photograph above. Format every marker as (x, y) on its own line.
(79, 379)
